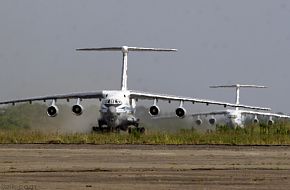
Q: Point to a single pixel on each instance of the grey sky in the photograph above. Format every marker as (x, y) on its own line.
(219, 42)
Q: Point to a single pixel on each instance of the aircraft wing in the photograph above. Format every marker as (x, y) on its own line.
(265, 114)
(81, 95)
(224, 112)
(152, 96)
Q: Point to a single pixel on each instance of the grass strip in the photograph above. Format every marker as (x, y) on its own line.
(251, 135)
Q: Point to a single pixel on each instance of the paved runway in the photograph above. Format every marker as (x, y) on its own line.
(141, 167)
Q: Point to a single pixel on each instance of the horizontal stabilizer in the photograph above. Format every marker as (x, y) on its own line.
(239, 86)
(126, 49)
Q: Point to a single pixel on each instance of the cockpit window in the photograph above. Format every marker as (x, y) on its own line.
(233, 116)
(112, 102)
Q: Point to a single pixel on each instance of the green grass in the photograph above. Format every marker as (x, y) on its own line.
(278, 134)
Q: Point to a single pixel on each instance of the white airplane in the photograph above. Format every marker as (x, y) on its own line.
(117, 111)
(236, 117)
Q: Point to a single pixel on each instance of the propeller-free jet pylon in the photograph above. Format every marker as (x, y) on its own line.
(117, 111)
(236, 117)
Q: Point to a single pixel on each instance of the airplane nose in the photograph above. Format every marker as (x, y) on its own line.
(112, 109)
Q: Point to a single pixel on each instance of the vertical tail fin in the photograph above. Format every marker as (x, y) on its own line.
(125, 50)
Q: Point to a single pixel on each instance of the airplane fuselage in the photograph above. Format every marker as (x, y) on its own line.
(234, 118)
(117, 110)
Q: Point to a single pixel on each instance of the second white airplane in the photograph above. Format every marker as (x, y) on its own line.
(117, 111)
(237, 117)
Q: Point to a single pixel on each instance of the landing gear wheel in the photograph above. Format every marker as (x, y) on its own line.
(100, 128)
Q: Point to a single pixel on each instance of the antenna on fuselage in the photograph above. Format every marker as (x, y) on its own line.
(125, 50)
(238, 86)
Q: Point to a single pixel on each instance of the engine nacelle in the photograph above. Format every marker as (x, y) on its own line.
(270, 122)
(256, 120)
(52, 111)
(77, 109)
(180, 112)
(154, 110)
(198, 121)
(212, 121)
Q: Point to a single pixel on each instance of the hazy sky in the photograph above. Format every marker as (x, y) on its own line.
(219, 42)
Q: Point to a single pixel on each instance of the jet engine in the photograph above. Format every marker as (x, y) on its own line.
(77, 109)
(180, 112)
(154, 110)
(256, 120)
(212, 121)
(52, 110)
(270, 121)
(198, 121)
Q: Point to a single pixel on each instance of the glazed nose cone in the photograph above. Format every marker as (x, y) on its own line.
(112, 110)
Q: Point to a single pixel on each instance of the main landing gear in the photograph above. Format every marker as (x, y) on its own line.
(140, 130)
(103, 128)
(98, 129)
(137, 129)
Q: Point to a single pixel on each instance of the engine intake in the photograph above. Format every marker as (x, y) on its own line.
(270, 122)
(198, 121)
(52, 111)
(154, 110)
(77, 109)
(256, 120)
(212, 121)
(180, 112)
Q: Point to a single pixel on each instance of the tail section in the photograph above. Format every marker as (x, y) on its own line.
(238, 86)
(125, 50)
